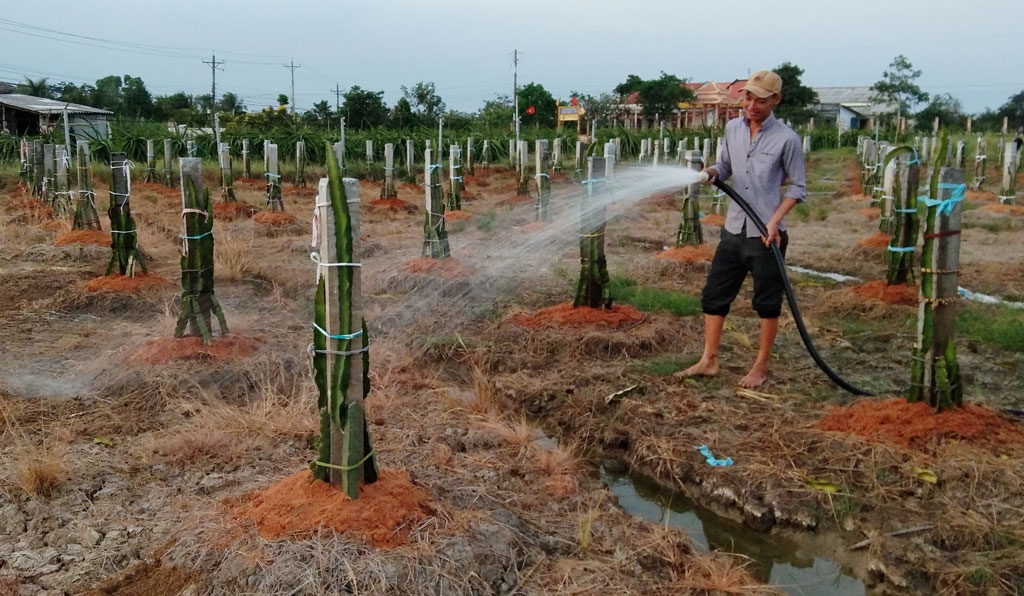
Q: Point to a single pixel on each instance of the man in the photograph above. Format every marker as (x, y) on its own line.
(759, 153)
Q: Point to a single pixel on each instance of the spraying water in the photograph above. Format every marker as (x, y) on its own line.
(505, 261)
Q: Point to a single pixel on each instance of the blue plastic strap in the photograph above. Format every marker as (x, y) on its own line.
(197, 237)
(904, 210)
(900, 248)
(946, 205)
(342, 336)
(711, 459)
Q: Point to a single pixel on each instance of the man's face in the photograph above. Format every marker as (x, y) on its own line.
(757, 108)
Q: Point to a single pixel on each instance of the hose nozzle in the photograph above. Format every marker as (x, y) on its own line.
(703, 178)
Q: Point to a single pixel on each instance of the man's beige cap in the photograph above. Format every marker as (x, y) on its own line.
(764, 83)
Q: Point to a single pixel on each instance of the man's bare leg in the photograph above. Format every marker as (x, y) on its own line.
(759, 371)
(707, 366)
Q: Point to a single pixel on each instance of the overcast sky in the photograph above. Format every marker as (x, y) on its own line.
(968, 49)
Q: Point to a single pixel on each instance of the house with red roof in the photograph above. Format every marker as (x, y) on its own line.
(714, 105)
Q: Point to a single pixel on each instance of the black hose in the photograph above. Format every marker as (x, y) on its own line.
(790, 296)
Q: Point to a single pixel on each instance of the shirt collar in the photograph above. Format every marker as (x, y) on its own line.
(768, 122)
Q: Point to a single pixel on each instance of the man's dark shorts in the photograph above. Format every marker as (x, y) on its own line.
(735, 257)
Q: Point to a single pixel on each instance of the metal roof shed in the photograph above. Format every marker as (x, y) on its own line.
(25, 115)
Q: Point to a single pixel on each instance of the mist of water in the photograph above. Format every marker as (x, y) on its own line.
(505, 260)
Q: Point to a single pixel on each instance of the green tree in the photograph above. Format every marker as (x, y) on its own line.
(543, 103)
(363, 108)
(282, 99)
(796, 97)
(73, 93)
(108, 93)
(135, 98)
(600, 107)
(231, 104)
(658, 97)
(897, 86)
(1013, 109)
(946, 108)
(424, 100)
(178, 107)
(402, 115)
(37, 88)
(497, 112)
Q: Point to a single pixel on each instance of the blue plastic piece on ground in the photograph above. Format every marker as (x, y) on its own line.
(711, 459)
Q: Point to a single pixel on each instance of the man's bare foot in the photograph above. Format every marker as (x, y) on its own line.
(705, 367)
(755, 378)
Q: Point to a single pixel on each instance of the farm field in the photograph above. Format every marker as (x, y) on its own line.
(519, 447)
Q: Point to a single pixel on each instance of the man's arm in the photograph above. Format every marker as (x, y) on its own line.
(796, 190)
(722, 169)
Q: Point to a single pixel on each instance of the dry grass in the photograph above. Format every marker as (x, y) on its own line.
(41, 469)
(518, 434)
(719, 576)
(231, 256)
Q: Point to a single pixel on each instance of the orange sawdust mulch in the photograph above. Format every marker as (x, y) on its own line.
(251, 181)
(713, 219)
(566, 315)
(701, 253)
(534, 226)
(457, 215)
(870, 212)
(878, 290)
(447, 268)
(298, 506)
(1003, 208)
(274, 218)
(230, 211)
(301, 191)
(876, 240)
(900, 422)
(83, 237)
(981, 195)
(393, 205)
(225, 348)
(119, 283)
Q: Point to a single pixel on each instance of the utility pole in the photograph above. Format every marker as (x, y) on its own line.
(292, 68)
(214, 63)
(515, 90)
(337, 108)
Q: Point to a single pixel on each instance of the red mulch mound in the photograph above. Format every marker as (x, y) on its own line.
(457, 215)
(301, 191)
(448, 268)
(476, 181)
(878, 290)
(516, 200)
(274, 218)
(688, 254)
(1004, 208)
(394, 205)
(900, 422)
(232, 211)
(226, 348)
(534, 226)
(565, 315)
(119, 283)
(298, 506)
(713, 219)
(251, 181)
(876, 240)
(981, 195)
(870, 212)
(84, 237)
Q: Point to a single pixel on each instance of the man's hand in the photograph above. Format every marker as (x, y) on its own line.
(712, 176)
(773, 232)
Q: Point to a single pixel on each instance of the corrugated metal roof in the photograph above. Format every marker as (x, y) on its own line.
(41, 105)
(860, 99)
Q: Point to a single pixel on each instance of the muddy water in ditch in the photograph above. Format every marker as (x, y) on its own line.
(773, 559)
